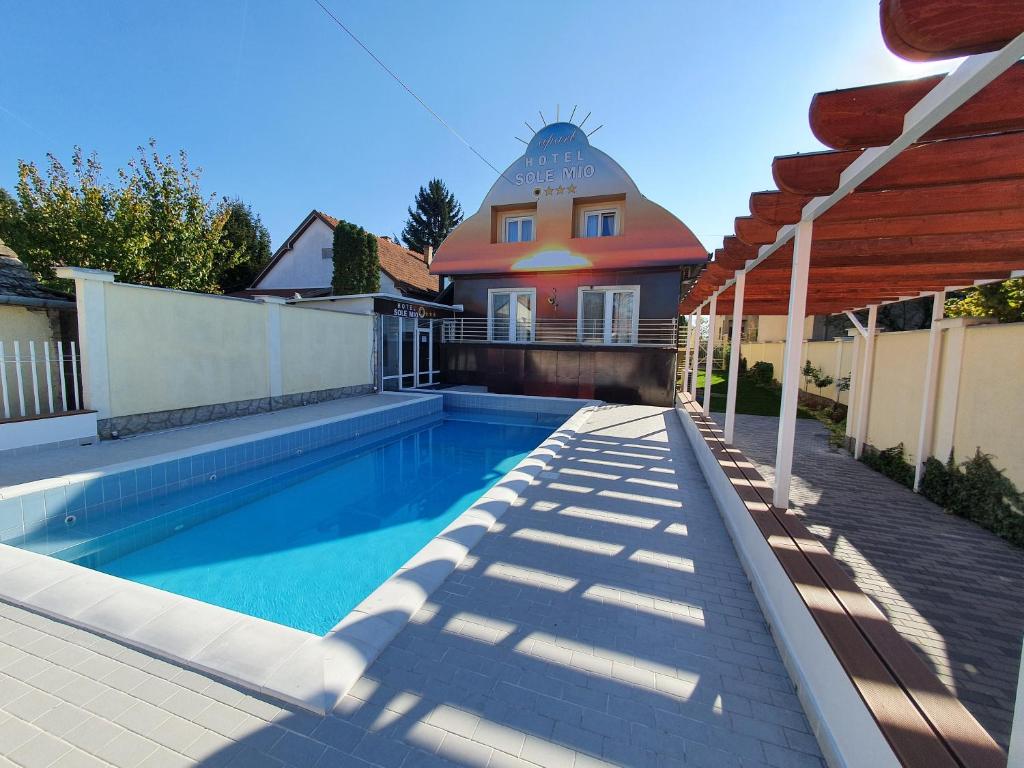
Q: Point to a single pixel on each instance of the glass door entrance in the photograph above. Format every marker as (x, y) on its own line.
(410, 352)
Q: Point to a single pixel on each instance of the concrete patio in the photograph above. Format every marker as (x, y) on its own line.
(952, 589)
(605, 620)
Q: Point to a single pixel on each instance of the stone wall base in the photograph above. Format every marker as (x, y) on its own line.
(135, 424)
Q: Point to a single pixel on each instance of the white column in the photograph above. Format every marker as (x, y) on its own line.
(931, 378)
(710, 354)
(696, 354)
(275, 375)
(91, 302)
(686, 353)
(734, 355)
(837, 366)
(864, 390)
(791, 362)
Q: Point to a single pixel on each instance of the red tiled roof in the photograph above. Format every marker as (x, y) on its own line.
(405, 267)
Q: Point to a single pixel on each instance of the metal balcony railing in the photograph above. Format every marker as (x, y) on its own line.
(640, 333)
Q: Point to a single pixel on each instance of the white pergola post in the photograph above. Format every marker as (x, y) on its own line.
(696, 354)
(686, 353)
(864, 388)
(734, 355)
(712, 309)
(791, 362)
(931, 378)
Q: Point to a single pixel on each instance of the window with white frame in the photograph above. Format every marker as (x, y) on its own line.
(608, 314)
(510, 314)
(517, 228)
(602, 221)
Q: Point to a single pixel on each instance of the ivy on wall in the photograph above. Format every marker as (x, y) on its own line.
(356, 263)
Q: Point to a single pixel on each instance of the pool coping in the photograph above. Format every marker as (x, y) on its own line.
(307, 670)
(70, 478)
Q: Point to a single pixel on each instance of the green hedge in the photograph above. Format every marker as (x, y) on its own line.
(974, 489)
(356, 263)
(978, 491)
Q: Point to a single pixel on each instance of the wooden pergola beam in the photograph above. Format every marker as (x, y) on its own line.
(926, 30)
(977, 158)
(779, 208)
(872, 115)
(755, 232)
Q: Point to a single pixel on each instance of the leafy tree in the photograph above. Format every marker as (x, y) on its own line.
(356, 263)
(437, 213)
(247, 248)
(152, 227)
(1003, 301)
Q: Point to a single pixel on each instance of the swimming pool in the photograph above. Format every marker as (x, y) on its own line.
(305, 546)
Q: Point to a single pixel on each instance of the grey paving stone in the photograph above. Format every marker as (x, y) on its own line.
(605, 620)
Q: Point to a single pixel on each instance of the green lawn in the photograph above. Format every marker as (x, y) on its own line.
(750, 398)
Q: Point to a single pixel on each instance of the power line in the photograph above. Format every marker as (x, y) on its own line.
(409, 90)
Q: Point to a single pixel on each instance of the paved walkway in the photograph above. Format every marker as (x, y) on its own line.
(952, 589)
(26, 467)
(605, 620)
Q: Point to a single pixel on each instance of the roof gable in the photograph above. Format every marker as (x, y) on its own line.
(406, 268)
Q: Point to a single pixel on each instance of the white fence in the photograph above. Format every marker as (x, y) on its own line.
(38, 378)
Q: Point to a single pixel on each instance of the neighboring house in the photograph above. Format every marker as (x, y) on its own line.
(28, 311)
(304, 265)
(569, 279)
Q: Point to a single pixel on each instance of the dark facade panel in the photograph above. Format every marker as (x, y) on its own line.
(628, 375)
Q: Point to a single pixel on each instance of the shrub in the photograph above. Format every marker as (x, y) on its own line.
(891, 463)
(978, 491)
(763, 373)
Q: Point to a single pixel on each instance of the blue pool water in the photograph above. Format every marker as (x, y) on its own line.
(310, 547)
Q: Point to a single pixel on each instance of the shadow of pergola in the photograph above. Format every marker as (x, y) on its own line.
(605, 617)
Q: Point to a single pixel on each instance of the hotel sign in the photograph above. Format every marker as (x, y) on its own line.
(553, 158)
(396, 308)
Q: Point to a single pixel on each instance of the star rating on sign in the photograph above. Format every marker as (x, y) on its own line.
(560, 189)
(572, 189)
(548, 191)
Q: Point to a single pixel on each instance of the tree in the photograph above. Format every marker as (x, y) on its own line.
(356, 263)
(247, 248)
(1003, 301)
(153, 227)
(437, 213)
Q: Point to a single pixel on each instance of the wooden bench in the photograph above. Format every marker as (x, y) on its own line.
(922, 721)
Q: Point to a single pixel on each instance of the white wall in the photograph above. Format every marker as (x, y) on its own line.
(304, 266)
(387, 285)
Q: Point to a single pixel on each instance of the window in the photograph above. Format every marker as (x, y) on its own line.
(517, 229)
(326, 254)
(510, 314)
(608, 314)
(600, 222)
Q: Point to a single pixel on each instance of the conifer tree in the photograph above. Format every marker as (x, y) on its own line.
(436, 214)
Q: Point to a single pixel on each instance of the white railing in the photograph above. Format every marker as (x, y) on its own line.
(38, 378)
(640, 333)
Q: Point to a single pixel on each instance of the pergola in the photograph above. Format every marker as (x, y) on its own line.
(921, 193)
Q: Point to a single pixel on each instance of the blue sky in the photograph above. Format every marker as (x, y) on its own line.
(282, 109)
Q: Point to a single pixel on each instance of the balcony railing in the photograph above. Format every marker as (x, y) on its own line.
(641, 333)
